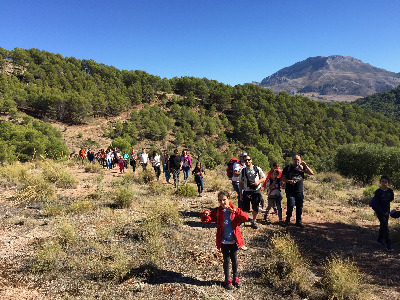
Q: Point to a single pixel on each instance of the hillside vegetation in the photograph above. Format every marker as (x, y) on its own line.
(211, 119)
(386, 103)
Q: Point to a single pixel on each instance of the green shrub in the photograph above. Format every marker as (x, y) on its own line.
(54, 209)
(45, 256)
(186, 190)
(104, 262)
(342, 279)
(145, 177)
(123, 198)
(158, 188)
(369, 192)
(80, 206)
(66, 233)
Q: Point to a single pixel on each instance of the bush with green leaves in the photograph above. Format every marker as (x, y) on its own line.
(123, 198)
(366, 162)
(186, 190)
(29, 141)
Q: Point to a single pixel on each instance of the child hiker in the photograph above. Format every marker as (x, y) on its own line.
(274, 196)
(229, 238)
(198, 177)
(381, 205)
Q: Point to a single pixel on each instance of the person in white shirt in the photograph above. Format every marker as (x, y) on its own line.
(144, 159)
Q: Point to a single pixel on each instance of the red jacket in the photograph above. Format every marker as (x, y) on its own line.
(216, 216)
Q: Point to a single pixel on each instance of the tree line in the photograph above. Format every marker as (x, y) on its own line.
(213, 120)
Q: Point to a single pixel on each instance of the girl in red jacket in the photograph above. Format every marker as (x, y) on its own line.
(229, 238)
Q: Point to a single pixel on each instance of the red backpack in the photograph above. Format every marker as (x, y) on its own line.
(229, 169)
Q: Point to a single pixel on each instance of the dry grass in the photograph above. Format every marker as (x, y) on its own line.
(58, 174)
(342, 279)
(287, 270)
(107, 251)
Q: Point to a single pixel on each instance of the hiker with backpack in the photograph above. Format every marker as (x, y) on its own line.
(250, 180)
(293, 177)
(235, 166)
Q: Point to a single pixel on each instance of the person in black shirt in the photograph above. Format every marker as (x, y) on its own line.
(174, 166)
(293, 176)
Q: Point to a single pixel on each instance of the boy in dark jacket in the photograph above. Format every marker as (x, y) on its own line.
(383, 196)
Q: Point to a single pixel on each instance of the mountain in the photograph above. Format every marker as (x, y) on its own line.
(334, 77)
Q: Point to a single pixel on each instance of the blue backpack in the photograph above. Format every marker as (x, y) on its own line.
(372, 203)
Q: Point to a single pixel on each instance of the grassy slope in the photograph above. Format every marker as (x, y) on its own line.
(145, 251)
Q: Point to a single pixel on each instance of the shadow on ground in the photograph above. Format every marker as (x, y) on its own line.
(153, 275)
(320, 241)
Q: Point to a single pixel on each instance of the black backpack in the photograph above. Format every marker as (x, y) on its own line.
(244, 173)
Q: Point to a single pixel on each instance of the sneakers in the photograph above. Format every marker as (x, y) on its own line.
(254, 225)
(382, 243)
(389, 249)
(237, 282)
(244, 248)
(228, 284)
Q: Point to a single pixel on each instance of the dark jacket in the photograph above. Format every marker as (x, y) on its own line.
(382, 200)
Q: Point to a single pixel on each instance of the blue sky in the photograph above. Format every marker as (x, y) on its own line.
(233, 41)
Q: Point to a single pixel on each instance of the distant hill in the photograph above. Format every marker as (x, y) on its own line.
(332, 78)
(387, 103)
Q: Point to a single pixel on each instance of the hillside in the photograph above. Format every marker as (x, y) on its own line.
(386, 103)
(323, 78)
(67, 239)
(133, 108)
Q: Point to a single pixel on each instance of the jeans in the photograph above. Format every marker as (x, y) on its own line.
(175, 174)
(294, 199)
(157, 170)
(109, 164)
(200, 185)
(185, 172)
(235, 186)
(166, 172)
(383, 228)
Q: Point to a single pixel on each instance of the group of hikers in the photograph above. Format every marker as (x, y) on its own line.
(248, 181)
(172, 164)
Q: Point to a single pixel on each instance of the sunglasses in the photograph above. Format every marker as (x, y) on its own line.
(249, 159)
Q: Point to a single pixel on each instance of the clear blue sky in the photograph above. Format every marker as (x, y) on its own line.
(233, 41)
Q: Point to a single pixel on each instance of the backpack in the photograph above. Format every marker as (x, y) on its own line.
(244, 173)
(372, 203)
(229, 169)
